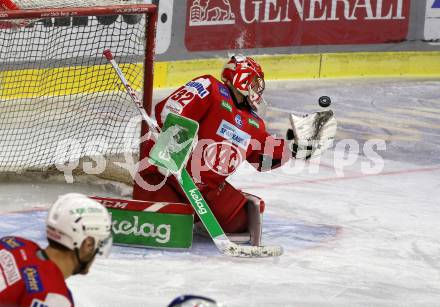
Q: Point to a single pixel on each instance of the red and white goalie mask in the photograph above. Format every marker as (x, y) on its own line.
(246, 75)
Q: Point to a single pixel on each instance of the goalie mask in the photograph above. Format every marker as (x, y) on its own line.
(247, 77)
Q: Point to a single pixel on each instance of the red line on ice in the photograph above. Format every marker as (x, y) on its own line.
(23, 211)
(356, 176)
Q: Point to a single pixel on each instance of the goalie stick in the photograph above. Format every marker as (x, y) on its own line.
(194, 196)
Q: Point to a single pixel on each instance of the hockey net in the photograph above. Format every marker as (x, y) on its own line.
(36, 4)
(60, 101)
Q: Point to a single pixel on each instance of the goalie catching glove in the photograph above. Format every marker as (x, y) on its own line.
(311, 134)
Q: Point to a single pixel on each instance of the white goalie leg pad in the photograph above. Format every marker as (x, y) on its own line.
(255, 209)
(237, 238)
(313, 133)
(200, 230)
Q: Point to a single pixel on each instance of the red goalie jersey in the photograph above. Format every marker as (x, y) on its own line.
(229, 133)
(28, 278)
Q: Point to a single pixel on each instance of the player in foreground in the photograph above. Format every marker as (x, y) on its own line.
(78, 229)
(230, 131)
(193, 301)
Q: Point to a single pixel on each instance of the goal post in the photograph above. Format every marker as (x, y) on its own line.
(59, 99)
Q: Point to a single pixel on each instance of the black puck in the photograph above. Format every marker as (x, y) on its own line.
(324, 101)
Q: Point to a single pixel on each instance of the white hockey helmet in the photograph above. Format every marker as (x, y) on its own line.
(74, 217)
(193, 301)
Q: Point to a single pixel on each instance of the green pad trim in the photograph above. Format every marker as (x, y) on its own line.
(152, 229)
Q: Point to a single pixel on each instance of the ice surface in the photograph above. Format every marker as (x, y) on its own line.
(351, 238)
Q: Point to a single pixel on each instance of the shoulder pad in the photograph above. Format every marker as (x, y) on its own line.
(16, 242)
(199, 86)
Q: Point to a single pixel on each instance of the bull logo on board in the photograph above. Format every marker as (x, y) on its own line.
(211, 12)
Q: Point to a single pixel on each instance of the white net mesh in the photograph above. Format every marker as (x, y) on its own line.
(59, 98)
(31, 4)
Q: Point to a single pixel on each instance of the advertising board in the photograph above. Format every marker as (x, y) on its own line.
(243, 24)
(432, 20)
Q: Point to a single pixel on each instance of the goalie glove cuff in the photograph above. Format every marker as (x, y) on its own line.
(302, 151)
(290, 135)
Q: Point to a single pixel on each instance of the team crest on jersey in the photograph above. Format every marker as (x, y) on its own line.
(223, 158)
(200, 85)
(11, 243)
(231, 133)
(238, 121)
(224, 91)
(32, 279)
